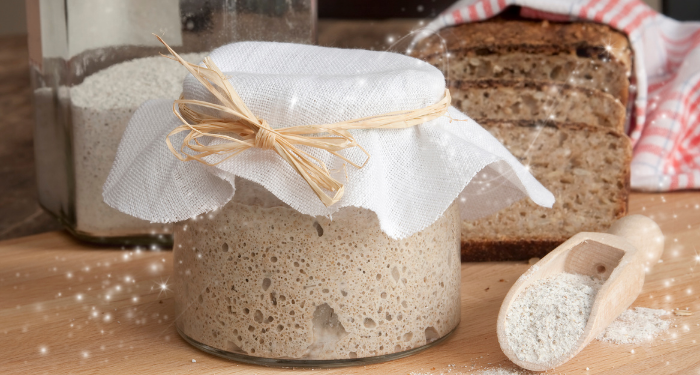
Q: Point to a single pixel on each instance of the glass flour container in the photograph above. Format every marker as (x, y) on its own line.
(259, 282)
(94, 62)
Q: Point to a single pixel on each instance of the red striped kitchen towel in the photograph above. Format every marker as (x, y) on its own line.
(665, 129)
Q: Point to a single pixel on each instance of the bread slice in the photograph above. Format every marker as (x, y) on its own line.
(531, 100)
(581, 54)
(585, 167)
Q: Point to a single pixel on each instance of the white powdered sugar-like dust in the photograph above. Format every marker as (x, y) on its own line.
(636, 326)
(547, 319)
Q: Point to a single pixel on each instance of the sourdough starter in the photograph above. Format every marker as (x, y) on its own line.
(264, 280)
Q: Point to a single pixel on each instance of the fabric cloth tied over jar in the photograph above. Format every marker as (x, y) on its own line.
(413, 175)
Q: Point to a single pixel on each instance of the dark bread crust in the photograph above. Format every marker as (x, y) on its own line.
(508, 250)
(500, 36)
(560, 45)
(503, 248)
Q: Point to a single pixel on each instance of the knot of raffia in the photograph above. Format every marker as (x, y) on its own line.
(265, 138)
(235, 129)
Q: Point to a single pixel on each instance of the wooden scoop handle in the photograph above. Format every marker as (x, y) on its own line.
(644, 234)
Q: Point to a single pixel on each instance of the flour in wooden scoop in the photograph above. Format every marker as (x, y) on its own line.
(547, 319)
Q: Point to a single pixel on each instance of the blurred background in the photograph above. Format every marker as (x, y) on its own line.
(367, 24)
(13, 18)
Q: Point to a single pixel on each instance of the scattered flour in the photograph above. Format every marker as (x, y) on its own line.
(101, 108)
(547, 319)
(496, 371)
(484, 371)
(636, 326)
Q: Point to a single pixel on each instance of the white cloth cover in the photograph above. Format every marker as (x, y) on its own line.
(413, 174)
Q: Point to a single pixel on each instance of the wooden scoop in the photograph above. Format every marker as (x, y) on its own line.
(620, 258)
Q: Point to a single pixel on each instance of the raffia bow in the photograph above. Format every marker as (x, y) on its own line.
(245, 130)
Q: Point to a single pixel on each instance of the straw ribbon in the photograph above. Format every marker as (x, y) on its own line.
(237, 130)
(265, 137)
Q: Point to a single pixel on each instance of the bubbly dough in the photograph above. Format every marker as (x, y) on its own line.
(264, 280)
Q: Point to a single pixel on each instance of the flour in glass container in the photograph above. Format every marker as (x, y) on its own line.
(101, 108)
(547, 319)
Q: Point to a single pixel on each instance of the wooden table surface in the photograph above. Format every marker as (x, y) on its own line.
(67, 307)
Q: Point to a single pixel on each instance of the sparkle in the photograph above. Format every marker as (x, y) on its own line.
(85, 354)
(163, 286)
(79, 297)
(43, 350)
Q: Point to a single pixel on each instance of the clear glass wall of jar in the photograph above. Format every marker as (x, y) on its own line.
(93, 62)
(259, 282)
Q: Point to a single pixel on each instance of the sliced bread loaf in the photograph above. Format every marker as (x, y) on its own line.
(532, 100)
(585, 167)
(513, 76)
(582, 54)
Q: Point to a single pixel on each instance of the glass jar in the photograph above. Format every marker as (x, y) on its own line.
(93, 63)
(259, 282)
